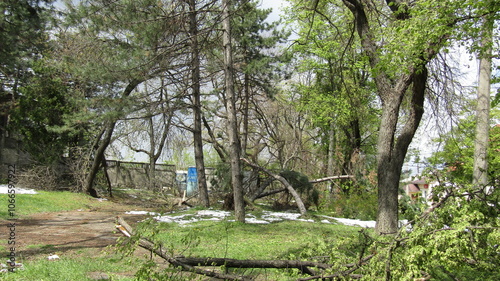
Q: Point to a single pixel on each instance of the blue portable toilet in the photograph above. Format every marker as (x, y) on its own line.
(192, 180)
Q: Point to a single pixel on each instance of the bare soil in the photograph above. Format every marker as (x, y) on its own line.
(64, 233)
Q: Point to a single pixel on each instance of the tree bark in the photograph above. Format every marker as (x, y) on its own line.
(196, 96)
(234, 143)
(480, 170)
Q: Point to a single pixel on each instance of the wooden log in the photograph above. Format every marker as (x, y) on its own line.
(161, 252)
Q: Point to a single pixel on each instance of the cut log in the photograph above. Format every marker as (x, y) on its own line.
(288, 186)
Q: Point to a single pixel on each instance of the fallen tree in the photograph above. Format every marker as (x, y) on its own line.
(288, 186)
(190, 264)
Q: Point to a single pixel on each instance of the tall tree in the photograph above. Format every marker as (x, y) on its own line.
(480, 176)
(23, 26)
(411, 35)
(234, 142)
(256, 58)
(337, 97)
(196, 101)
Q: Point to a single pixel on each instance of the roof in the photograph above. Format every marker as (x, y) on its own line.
(412, 188)
(419, 182)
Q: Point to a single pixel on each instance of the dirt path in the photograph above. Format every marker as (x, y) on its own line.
(60, 232)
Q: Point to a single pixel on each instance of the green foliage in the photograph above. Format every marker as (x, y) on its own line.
(22, 27)
(336, 93)
(39, 118)
(458, 152)
(354, 205)
(301, 184)
(458, 240)
(410, 209)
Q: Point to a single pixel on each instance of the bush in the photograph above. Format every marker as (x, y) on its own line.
(361, 206)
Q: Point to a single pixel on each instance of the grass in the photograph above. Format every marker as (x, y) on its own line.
(75, 268)
(248, 241)
(227, 239)
(47, 201)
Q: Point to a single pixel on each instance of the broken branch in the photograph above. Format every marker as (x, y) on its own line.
(331, 178)
(288, 186)
(188, 264)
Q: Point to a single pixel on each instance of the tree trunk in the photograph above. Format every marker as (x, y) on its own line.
(234, 143)
(391, 147)
(98, 158)
(480, 172)
(196, 96)
(102, 144)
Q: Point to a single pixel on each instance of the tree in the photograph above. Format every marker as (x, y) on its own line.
(117, 47)
(480, 176)
(256, 57)
(410, 40)
(23, 26)
(334, 86)
(456, 157)
(196, 101)
(42, 106)
(232, 127)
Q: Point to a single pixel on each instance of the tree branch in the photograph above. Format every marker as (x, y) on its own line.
(298, 200)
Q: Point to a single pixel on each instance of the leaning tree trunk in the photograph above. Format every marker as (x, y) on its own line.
(102, 144)
(234, 143)
(98, 159)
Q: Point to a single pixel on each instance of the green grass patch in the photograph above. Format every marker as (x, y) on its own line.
(246, 241)
(74, 268)
(47, 201)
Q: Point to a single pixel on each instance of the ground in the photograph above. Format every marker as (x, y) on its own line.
(61, 232)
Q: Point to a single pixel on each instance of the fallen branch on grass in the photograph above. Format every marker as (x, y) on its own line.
(189, 264)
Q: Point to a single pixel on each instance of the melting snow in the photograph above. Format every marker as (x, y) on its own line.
(266, 218)
(4, 189)
(140, 213)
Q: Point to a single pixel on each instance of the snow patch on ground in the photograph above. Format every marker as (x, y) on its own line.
(4, 189)
(266, 218)
(140, 213)
(351, 222)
